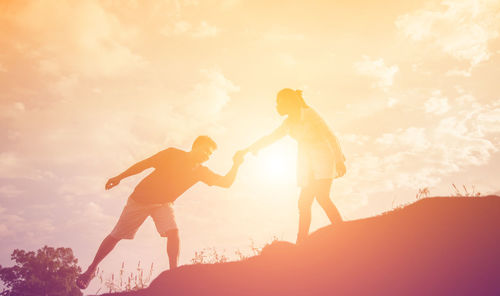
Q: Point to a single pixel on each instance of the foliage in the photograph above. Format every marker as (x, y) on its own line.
(467, 192)
(208, 255)
(212, 255)
(423, 193)
(254, 250)
(134, 281)
(48, 271)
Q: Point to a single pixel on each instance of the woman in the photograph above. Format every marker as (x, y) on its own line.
(320, 158)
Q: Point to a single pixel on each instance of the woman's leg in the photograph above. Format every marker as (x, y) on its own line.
(305, 202)
(322, 193)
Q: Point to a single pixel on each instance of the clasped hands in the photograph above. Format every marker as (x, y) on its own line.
(239, 156)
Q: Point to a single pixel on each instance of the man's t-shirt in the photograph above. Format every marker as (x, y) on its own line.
(174, 173)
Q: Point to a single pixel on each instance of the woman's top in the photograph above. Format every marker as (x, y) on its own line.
(312, 134)
(318, 148)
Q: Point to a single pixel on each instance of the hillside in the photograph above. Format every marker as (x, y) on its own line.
(436, 246)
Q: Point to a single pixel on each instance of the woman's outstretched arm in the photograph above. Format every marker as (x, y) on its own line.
(267, 140)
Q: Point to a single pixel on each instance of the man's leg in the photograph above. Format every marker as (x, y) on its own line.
(131, 218)
(173, 246)
(109, 242)
(164, 219)
(305, 203)
(105, 248)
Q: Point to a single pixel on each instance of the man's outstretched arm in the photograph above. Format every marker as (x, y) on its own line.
(228, 180)
(133, 170)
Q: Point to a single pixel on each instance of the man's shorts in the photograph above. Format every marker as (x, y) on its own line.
(134, 214)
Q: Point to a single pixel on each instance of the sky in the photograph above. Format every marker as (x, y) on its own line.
(88, 88)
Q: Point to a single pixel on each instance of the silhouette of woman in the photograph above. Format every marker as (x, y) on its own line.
(320, 158)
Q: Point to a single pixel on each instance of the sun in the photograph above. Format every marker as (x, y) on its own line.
(277, 163)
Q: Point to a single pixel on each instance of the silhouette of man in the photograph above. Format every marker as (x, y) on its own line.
(175, 172)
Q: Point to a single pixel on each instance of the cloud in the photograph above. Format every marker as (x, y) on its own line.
(90, 217)
(489, 120)
(227, 4)
(412, 139)
(13, 166)
(287, 59)
(81, 186)
(208, 97)
(7, 161)
(377, 69)
(448, 135)
(461, 29)
(204, 30)
(94, 213)
(460, 146)
(9, 191)
(458, 72)
(2, 68)
(65, 86)
(10, 224)
(354, 138)
(45, 226)
(280, 34)
(437, 104)
(11, 110)
(183, 27)
(458, 138)
(73, 37)
(391, 102)
(416, 157)
(3, 230)
(33, 230)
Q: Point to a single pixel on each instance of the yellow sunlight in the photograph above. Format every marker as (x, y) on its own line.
(276, 163)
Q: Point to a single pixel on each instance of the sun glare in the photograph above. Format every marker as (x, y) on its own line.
(277, 163)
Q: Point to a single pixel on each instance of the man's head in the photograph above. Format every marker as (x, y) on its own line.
(202, 148)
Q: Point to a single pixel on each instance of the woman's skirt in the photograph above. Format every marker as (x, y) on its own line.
(315, 161)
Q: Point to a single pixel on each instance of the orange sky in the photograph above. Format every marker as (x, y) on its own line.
(87, 88)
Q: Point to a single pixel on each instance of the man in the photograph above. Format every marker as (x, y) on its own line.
(175, 172)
